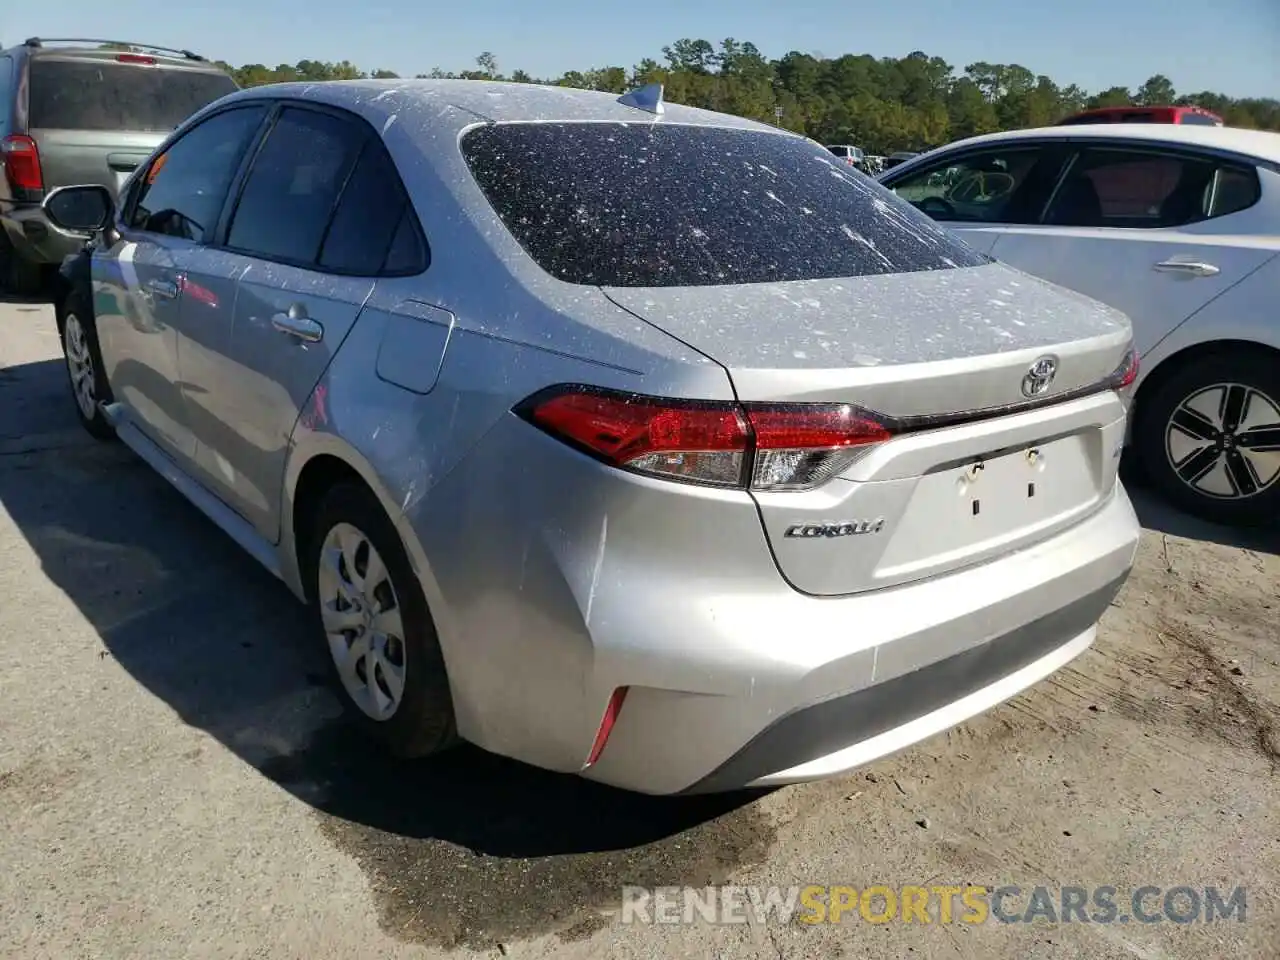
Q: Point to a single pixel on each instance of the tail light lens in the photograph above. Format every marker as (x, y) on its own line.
(1125, 374)
(21, 162)
(742, 445)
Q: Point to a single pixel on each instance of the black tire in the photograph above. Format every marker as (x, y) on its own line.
(79, 334)
(423, 722)
(1222, 485)
(18, 276)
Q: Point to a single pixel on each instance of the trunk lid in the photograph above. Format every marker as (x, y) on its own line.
(914, 344)
(975, 469)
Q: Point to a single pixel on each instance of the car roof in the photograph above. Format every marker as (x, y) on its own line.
(495, 101)
(1255, 143)
(56, 49)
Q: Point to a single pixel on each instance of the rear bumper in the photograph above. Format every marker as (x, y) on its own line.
(34, 238)
(837, 735)
(882, 671)
(554, 580)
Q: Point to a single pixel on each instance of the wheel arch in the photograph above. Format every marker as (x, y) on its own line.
(318, 476)
(1173, 364)
(319, 460)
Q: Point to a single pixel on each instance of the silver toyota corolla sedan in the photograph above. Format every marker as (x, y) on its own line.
(622, 438)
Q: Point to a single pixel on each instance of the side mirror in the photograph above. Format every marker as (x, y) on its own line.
(81, 209)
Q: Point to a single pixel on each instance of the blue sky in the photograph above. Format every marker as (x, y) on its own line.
(1232, 46)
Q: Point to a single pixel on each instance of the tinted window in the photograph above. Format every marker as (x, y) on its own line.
(1234, 189)
(369, 214)
(993, 186)
(653, 205)
(291, 190)
(1199, 119)
(95, 94)
(1136, 188)
(408, 253)
(6, 93)
(183, 189)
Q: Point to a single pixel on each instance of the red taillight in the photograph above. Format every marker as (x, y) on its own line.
(1127, 372)
(611, 711)
(763, 446)
(21, 162)
(135, 58)
(800, 445)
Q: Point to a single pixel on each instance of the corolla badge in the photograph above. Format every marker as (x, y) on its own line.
(838, 528)
(1039, 377)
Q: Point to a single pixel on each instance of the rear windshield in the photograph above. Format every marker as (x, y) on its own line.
(668, 205)
(105, 95)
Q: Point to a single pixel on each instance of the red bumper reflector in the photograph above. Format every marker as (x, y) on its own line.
(610, 717)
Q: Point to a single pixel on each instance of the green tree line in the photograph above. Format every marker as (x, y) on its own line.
(879, 103)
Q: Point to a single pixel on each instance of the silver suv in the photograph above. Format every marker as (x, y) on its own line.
(78, 112)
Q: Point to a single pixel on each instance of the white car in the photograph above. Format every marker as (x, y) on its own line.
(1179, 227)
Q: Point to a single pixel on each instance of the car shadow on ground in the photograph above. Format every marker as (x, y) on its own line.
(194, 621)
(1156, 514)
(30, 304)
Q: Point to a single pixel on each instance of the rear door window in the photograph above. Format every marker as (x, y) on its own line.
(103, 94)
(293, 186)
(1117, 187)
(368, 217)
(650, 205)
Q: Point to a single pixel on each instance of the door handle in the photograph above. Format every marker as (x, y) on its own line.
(296, 323)
(166, 289)
(1190, 268)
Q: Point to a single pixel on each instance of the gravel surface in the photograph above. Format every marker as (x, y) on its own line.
(175, 781)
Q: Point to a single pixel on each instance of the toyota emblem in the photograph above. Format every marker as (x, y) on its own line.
(1039, 377)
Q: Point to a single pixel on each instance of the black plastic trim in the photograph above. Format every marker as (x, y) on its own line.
(825, 728)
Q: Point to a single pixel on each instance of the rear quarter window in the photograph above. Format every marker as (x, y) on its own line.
(672, 205)
(101, 94)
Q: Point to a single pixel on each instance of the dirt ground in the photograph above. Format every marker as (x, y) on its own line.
(174, 781)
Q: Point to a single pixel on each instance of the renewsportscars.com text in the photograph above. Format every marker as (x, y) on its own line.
(934, 904)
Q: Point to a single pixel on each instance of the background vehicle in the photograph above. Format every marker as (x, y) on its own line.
(1196, 116)
(1179, 227)
(601, 479)
(854, 156)
(900, 157)
(72, 112)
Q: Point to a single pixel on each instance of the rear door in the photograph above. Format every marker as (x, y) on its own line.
(299, 256)
(978, 192)
(1153, 231)
(96, 117)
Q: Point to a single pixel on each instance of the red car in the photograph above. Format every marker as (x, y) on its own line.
(1195, 115)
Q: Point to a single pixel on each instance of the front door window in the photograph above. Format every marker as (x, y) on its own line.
(989, 186)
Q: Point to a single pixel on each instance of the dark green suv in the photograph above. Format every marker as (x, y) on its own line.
(80, 112)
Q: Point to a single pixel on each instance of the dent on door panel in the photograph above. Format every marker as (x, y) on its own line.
(414, 340)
